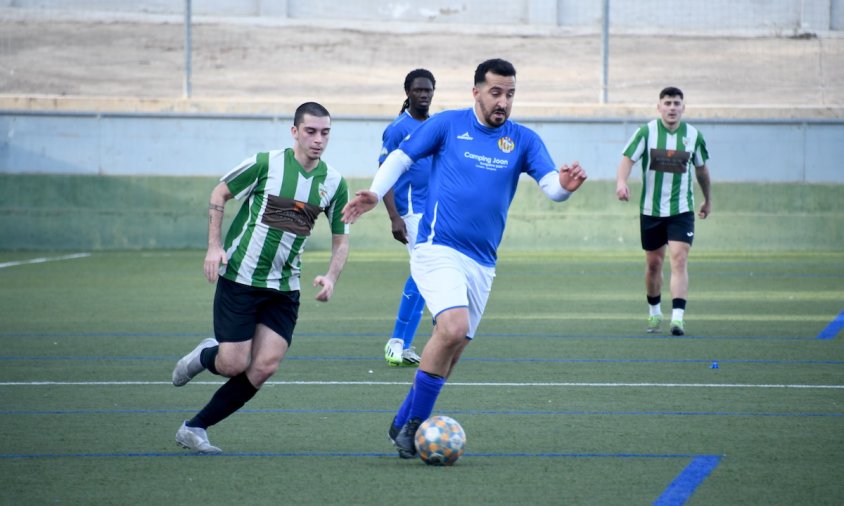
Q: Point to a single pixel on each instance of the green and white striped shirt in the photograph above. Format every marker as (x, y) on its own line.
(265, 242)
(667, 161)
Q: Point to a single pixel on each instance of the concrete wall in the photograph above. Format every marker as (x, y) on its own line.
(683, 16)
(673, 16)
(199, 7)
(766, 150)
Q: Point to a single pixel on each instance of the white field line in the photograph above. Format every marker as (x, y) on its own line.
(43, 259)
(460, 384)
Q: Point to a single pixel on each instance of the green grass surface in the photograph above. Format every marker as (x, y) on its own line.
(564, 398)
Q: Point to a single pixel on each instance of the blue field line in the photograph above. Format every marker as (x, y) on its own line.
(521, 412)
(104, 334)
(681, 489)
(833, 328)
(542, 335)
(11, 456)
(337, 358)
(676, 494)
(703, 272)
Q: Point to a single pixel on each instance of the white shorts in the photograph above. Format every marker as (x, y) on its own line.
(447, 279)
(411, 223)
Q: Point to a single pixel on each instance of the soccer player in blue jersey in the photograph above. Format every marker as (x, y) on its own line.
(405, 203)
(478, 155)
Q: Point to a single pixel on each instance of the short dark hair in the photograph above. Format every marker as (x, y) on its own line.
(312, 108)
(497, 66)
(670, 91)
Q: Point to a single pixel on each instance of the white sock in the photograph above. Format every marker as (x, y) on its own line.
(677, 314)
(654, 310)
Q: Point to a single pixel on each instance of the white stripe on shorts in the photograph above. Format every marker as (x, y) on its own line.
(411, 224)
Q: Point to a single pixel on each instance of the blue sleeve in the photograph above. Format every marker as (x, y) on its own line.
(426, 139)
(539, 162)
(390, 140)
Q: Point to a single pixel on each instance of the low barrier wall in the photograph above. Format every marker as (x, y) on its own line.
(180, 144)
(66, 212)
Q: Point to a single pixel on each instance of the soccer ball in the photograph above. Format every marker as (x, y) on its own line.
(440, 441)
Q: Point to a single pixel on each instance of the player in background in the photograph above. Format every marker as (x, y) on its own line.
(405, 203)
(478, 156)
(256, 303)
(669, 148)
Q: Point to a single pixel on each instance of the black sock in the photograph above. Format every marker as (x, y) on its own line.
(226, 400)
(678, 304)
(654, 301)
(207, 358)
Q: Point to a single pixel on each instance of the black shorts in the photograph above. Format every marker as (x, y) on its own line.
(656, 232)
(238, 309)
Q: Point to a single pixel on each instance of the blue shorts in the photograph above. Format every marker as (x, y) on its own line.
(238, 309)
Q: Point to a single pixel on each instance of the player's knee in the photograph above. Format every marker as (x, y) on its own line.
(231, 365)
(654, 267)
(454, 331)
(679, 261)
(262, 371)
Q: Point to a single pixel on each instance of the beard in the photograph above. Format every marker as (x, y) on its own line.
(495, 117)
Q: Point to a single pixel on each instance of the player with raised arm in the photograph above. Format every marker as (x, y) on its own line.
(478, 156)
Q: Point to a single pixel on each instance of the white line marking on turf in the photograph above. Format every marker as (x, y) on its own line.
(43, 259)
(403, 383)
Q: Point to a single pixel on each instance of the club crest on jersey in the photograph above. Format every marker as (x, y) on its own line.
(506, 144)
(323, 192)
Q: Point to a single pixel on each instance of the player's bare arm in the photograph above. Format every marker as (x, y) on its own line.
(702, 175)
(622, 191)
(397, 225)
(572, 176)
(339, 255)
(363, 201)
(388, 173)
(216, 255)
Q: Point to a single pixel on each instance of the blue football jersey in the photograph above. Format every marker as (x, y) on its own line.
(474, 174)
(410, 190)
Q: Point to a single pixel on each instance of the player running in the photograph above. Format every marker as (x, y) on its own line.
(478, 156)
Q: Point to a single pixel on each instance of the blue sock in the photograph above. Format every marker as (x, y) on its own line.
(426, 389)
(404, 409)
(413, 321)
(409, 313)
